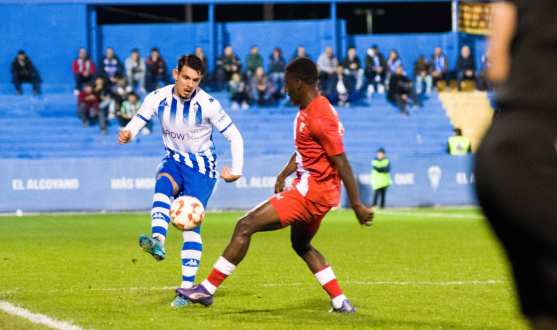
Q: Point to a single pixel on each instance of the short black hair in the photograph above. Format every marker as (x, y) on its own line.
(374, 47)
(351, 47)
(458, 131)
(155, 49)
(304, 69)
(381, 150)
(191, 61)
(21, 52)
(135, 50)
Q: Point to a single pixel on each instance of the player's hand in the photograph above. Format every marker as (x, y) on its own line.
(364, 215)
(124, 137)
(280, 186)
(227, 176)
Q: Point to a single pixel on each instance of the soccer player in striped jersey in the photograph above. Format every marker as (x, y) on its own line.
(187, 115)
(320, 163)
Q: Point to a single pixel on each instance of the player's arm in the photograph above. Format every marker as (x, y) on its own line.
(501, 39)
(285, 173)
(139, 121)
(364, 215)
(226, 127)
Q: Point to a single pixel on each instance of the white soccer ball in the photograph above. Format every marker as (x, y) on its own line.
(186, 213)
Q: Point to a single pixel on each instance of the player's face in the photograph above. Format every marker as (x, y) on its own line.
(292, 86)
(187, 81)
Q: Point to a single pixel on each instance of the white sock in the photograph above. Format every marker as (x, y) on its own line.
(191, 256)
(337, 301)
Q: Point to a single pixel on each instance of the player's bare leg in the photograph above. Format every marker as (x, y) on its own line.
(301, 243)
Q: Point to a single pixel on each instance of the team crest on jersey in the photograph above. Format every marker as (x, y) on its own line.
(302, 125)
(164, 103)
(195, 107)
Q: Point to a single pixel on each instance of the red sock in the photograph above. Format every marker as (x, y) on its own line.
(220, 272)
(333, 289)
(327, 279)
(216, 277)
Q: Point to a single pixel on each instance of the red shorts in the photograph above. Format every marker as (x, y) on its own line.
(294, 209)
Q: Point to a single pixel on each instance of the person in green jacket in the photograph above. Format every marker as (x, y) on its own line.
(458, 144)
(380, 177)
(253, 61)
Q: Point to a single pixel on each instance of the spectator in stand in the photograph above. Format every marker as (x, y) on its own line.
(23, 70)
(111, 67)
(83, 69)
(253, 61)
(343, 88)
(422, 74)
(439, 67)
(375, 71)
(129, 109)
(201, 54)
(227, 65)
(353, 67)
(103, 94)
(327, 64)
(157, 76)
(400, 89)
(277, 66)
(300, 52)
(88, 106)
(393, 62)
(380, 177)
(135, 71)
(261, 87)
(237, 92)
(458, 145)
(484, 84)
(465, 66)
(120, 92)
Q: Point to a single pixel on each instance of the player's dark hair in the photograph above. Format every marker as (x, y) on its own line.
(458, 131)
(304, 69)
(191, 61)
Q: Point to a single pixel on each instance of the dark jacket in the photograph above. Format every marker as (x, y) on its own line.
(253, 62)
(229, 60)
(154, 66)
(349, 83)
(445, 64)
(26, 70)
(347, 62)
(276, 65)
(370, 63)
(112, 67)
(398, 85)
(463, 64)
(419, 67)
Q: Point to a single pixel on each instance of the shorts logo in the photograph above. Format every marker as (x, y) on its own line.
(191, 263)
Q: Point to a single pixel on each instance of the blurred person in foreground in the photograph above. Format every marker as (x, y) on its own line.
(516, 172)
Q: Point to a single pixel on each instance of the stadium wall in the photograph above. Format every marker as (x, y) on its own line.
(84, 184)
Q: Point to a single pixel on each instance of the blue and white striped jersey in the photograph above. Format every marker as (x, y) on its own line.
(187, 126)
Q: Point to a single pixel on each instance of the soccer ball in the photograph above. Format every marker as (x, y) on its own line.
(186, 213)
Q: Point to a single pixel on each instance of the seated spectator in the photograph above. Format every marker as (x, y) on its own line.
(111, 67)
(120, 91)
(343, 88)
(439, 67)
(104, 97)
(135, 71)
(227, 65)
(88, 106)
(156, 76)
(83, 69)
(375, 71)
(327, 64)
(129, 109)
(261, 87)
(484, 84)
(277, 66)
(253, 61)
(23, 70)
(465, 66)
(400, 89)
(201, 54)
(421, 75)
(300, 52)
(237, 92)
(353, 67)
(458, 144)
(393, 62)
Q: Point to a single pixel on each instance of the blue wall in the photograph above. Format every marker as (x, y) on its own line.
(77, 184)
(50, 35)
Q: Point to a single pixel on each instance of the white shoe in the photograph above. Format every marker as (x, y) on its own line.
(245, 106)
(145, 131)
(370, 90)
(75, 92)
(111, 115)
(235, 106)
(380, 89)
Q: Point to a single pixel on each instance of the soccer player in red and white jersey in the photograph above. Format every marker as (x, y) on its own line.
(321, 164)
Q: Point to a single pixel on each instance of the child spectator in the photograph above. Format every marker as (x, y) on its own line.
(83, 69)
(261, 87)
(343, 90)
(227, 65)
(237, 92)
(380, 177)
(439, 67)
(135, 71)
(375, 71)
(253, 61)
(156, 71)
(465, 66)
(353, 67)
(88, 106)
(393, 62)
(327, 64)
(422, 74)
(24, 71)
(104, 97)
(111, 67)
(120, 91)
(129, 109)
(201, 54)
(277, 66)
(400, 88)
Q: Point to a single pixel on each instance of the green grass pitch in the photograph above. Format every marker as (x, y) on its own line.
(418, 269)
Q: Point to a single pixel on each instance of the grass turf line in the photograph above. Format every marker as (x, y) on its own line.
(66, 267)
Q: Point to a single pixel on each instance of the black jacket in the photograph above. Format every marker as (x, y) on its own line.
(349, 83)
(463, 64)
(370, 64)
(276, 65)
(26, 70)
(398, 85)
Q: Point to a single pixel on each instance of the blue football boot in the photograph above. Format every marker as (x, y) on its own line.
(197, 295)
(179, 302)
(152, 246)
(347, 307)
